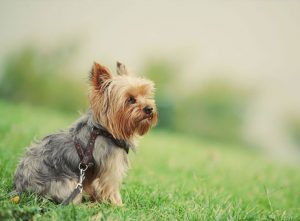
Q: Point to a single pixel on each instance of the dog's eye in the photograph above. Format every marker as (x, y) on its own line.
(131, 100)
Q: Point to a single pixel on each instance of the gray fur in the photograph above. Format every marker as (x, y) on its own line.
(50, 166)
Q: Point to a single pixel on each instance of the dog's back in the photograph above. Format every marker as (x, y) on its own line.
(46, 162)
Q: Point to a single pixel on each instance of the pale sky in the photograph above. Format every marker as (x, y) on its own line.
(254, 43)
(252, 38)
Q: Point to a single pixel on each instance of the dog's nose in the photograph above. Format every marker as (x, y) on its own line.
(148, 110)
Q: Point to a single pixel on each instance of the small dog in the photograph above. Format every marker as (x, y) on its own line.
(121, 108)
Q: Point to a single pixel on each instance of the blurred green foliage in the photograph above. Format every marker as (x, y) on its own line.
(214, 110)
(163, 73)
(33, 76)
(293, 124)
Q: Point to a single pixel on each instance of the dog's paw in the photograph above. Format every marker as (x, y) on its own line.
(116, 199)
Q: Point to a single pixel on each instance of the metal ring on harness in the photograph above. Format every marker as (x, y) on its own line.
(83, 167)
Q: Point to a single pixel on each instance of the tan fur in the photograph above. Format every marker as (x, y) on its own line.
(109, 101)
(107, 183)
(62, 190)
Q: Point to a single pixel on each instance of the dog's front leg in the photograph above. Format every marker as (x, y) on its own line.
(115, 198)
(107, 192)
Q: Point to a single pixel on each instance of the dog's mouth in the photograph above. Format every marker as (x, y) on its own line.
(150, 116)
(147, 117)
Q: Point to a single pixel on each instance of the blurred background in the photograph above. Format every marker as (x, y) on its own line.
(228, 72)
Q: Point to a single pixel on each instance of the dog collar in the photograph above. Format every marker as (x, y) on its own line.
(119, 143)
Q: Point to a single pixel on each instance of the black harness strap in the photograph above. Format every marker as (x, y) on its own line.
(119, 143)
(73, 195)
(86, 155)
(87, 159)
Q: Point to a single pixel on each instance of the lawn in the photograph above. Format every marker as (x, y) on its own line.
(172, 177)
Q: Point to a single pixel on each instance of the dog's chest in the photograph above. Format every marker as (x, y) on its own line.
(111, 166)
(112, 158)
(108, 156)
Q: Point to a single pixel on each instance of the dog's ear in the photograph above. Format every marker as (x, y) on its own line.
(121, 69)
(99, 75)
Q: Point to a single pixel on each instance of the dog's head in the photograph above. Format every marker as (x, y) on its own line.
(123, 104)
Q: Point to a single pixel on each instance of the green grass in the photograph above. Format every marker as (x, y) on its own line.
(172, 177)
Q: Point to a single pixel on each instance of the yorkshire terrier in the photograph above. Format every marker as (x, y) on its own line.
(92, 155)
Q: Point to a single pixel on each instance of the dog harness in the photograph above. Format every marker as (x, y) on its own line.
(87, 159)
